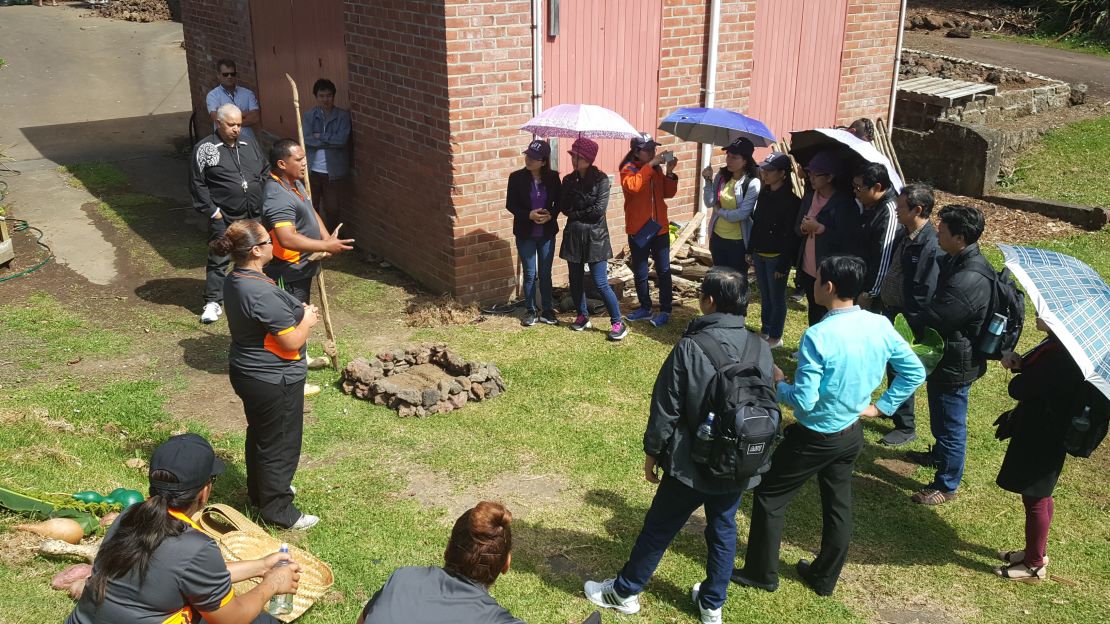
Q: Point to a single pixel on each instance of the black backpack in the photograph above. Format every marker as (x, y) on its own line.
(747, 419)
(1006, 300)
(1089, 424)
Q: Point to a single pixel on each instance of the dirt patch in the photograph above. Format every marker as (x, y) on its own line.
(522, 493)
(914, 616)
(18, 548)
(440, 312)
(1006, 225)
(137, 10)
(897, 466)
(209, 399)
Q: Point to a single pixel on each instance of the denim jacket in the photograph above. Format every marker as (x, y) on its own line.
(335, 134)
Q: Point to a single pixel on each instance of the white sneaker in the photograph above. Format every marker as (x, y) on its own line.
(774, 344)
(603, 595)
(211, 313)
(305, 522)
(311, 389)
(708, 616)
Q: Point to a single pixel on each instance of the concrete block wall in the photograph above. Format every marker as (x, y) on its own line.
(216, 29)
(402, 203)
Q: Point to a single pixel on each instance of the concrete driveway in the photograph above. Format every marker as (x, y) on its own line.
(78, 88)
(1071, 67)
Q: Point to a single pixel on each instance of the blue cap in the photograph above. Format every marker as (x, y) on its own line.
(538, 150)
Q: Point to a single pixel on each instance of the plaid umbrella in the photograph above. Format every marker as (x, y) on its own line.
(1073, 300)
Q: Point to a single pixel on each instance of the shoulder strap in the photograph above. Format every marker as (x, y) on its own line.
(744, 186)
(717, 355)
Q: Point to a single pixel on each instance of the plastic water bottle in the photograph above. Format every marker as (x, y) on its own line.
(703, 441)
(281, 604)
(992, 340)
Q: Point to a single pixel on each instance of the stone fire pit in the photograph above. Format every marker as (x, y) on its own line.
(428, 379)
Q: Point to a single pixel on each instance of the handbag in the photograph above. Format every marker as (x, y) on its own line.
(1005, 424)
(643, 237)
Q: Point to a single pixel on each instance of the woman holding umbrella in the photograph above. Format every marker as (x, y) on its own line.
(828, 222)
(733, 194)
(584, 199)
(1049, 389)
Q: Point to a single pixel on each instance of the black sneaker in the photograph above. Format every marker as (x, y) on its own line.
(898, 437)
(581, 322)
(548, 318)
(529, 318)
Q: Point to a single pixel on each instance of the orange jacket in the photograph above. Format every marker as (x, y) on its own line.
(645, 189)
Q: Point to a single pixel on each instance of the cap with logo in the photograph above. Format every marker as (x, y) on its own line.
(538, 150)
(188, 457)
(776, 161)
(742, 146)
(644, 141)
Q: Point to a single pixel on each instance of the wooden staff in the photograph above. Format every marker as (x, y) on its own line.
(888, 146)
(795, 179)
(329, 345)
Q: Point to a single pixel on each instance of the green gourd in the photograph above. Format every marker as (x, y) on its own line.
(126, 498)
(88, 496)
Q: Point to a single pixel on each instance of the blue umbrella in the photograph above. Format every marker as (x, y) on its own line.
(716, 126)
(1073, 300)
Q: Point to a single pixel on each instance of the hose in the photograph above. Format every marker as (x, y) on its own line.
(19, 226)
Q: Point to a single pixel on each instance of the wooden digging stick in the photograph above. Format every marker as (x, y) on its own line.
(330, 348)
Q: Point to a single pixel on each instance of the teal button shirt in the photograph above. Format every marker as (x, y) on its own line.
(841, 361)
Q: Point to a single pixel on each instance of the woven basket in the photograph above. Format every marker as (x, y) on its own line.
(316, 576)
(240, 539)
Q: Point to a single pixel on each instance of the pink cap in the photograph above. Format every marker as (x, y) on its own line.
(584, 148)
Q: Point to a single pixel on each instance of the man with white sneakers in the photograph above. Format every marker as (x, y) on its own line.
(225, 179)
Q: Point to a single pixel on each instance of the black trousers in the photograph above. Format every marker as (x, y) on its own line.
(275, 422)
(803, 454)
(903, 417)
(216, 269)
(301, 289)
(814, 311)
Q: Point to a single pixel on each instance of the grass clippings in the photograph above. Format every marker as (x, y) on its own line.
(442, 311)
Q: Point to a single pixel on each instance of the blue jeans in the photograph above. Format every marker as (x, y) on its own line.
(670, 509)
(529, 249)
(600, 273)
(948, 422)
(660, 250)
(772, 294)
(728, 252)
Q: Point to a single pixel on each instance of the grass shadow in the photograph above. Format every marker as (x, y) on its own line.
(174, 291)
(207, 353)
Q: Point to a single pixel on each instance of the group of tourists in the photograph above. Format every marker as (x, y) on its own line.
(862, 250)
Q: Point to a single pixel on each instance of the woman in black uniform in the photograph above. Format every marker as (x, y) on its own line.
(269, 328)
(155, 565)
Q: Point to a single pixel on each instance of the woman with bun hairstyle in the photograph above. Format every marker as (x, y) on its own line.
(269, 328)
(480, 550)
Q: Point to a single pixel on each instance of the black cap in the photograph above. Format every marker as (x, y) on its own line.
(188, 457)
(538, 150)
(742, 146)
(644, 141)
(777, 161)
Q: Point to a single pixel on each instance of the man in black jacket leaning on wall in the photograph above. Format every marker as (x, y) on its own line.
(910, 283)
(958, 312)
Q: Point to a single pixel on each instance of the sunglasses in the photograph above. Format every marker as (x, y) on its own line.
(268, 241)
(229, 74)
(860, 189)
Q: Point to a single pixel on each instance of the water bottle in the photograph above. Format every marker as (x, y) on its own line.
(1075, 438)
(281, 604)
(991, 341)
(703, 441)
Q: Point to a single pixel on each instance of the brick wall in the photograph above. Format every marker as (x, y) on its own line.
(489, 80)
(216, 29)
(401, 208)
(870, 39)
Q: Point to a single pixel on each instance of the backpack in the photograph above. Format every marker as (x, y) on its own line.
(747, 421)
(1088, 426)
(1006, 300)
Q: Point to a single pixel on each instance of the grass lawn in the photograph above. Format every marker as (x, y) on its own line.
(1060, 167)
(1086, 46)
(562, 448)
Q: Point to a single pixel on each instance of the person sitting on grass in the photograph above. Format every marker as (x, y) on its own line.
(156, 565)
(480, 550)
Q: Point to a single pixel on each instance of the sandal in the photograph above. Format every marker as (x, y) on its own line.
(1014, 556)
(929, 496)
(1022, 572)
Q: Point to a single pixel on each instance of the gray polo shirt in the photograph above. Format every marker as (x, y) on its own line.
(258, 311)
(186, 575)
(284, 206)
(433, 596)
